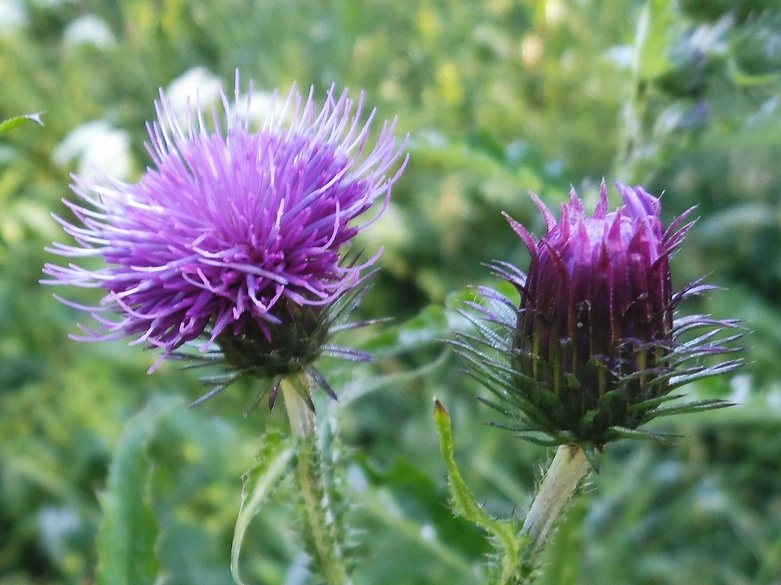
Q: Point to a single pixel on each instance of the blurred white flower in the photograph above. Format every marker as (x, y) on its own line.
(88, 30)
(621, 55)
(259, 106)
(200, 88)
(195, 88)
(741, 388)
(56, 525)
(13, 16)
(100, 150)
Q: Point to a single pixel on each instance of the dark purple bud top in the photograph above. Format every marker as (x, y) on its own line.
(593, 351)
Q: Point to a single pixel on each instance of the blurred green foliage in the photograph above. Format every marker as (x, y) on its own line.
(499, 97)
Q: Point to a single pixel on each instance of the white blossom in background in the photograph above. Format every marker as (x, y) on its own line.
(88, 30)
(100, 150)
(13, 16)
(197, 88)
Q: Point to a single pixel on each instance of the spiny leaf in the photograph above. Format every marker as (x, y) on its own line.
(273, 463)
(465, 504)
(17, 121)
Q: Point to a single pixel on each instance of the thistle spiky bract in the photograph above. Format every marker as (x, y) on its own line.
(594, 350)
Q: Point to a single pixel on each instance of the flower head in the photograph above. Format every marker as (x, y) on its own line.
(594, 349)
(235, 238)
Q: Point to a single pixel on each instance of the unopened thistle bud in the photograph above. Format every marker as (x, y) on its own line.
(594, 350)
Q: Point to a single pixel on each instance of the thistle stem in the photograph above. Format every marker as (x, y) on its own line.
(320, 540)
(302, 419)
(569, 466)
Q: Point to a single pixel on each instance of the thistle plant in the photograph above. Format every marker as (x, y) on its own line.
(594, 350)
(233, 250)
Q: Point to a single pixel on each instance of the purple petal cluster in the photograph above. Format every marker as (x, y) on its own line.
(594, 348)
(599, 287)
(232, 232)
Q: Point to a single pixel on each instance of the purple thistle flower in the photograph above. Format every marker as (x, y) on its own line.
(235, 237)
(594, 350)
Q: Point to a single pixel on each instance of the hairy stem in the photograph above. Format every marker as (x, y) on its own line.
(569, 466)
(321, 538)
(302, 418)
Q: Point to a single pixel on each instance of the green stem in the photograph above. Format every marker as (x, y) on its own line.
(321, 539)
(299, 411)
(569, 466)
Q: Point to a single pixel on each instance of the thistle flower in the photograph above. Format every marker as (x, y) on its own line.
(235, 239)
(594, 350)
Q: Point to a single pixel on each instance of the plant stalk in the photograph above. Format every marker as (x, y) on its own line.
(569, 466)
(321, 539)
(299, 411)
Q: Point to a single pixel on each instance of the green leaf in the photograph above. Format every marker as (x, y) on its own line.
(17, 121)
(465, 504)
(274, 462)
(128, 534)
(653, 38)
(421, 331)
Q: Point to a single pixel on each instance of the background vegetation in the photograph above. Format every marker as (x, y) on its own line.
(499, 97)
